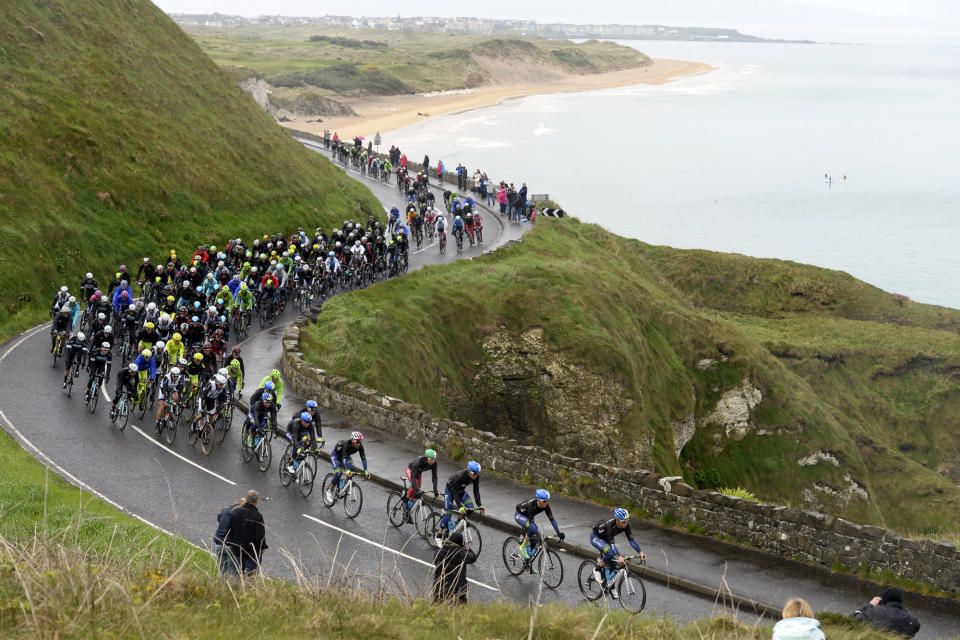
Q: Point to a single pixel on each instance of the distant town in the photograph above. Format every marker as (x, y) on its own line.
(484, 26)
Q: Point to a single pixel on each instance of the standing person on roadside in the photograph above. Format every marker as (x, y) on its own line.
(247, 533)
(886, 613)
(798, 622)
(426, 165)
(521, 202)
(440, 172)
(226, 560)
(502, 198)
(450, 570)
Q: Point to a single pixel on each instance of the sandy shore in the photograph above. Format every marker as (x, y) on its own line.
(389, 113)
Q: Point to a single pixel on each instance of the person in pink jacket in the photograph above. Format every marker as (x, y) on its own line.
(502, 198)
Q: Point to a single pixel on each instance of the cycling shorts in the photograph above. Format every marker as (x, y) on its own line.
(607, 549)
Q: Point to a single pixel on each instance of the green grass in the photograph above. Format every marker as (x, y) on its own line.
(121, 139)
(377, 62)
(843, 367)
(739, 492)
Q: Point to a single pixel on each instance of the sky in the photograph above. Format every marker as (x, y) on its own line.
(782, 18)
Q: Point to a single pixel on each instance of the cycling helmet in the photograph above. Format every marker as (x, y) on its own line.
(64, 309)
(182, 362)
(160, 344)
(176, 337)
(243, 285)
(105, 345)
(219, 301)
(147, 353)
(89, 275)
(311, 404)
(63, 289)
(175, 371)
(331, 253)
(543, 494)
(621, 514)
(108, 329)
(164, 317)
(356, 435)
(275, 373)
(223, 371)
(152, 306)
(196, 303)
(219, 379)
(101, 316)
(198, 356)
(266, 397)
(473, 466)
(194, 319)
(268, 385)
(306, 417)
(72, 299)
(234, 364)
(171, 299)
(457, 218)
(81, 337)
(150, 325)
(236, 351)
(430, 454)
(131, 307)
(133, 367)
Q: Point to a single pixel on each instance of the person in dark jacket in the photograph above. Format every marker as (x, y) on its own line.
(246, 536)
(226, 561)
(450, 570)
(886, 613)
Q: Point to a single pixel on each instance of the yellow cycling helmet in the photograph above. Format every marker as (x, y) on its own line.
(171, 299)
(147, 353)
(198, 356)
(150, 325)
(176, 337)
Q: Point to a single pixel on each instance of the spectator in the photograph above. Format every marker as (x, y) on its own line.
(440, 172)
(491, 191)
(798, 623)
(226, 560)
(450, 570)
(512, 203)
(521, 202)
(246, 536)
(502, 198)
(886, 612)
(426, 165)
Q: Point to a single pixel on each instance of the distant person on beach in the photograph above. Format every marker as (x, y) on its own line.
(798, 623)
(886, 613)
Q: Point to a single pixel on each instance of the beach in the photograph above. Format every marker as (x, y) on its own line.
(389, 113)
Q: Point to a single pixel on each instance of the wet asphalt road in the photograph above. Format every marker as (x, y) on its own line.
(181, 491)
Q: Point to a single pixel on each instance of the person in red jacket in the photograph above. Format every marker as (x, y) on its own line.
(269, 285)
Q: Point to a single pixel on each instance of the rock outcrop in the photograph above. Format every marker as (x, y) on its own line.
(304, 105)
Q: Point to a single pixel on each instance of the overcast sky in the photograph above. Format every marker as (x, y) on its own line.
(817, 15)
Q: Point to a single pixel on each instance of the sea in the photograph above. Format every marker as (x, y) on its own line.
(843, 155)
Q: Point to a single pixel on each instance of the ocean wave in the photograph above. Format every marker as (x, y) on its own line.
(543, 130)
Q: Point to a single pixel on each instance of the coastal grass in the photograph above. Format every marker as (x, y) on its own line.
(123, 140)
(376, 62)
(859, 377)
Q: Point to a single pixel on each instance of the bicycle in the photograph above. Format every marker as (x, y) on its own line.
(471, 535)
(443, 241)
(121, 414)
(141, 402)
(256, 444)
(170, 421)
(470, 236)
(202, 430)
(58, 344)
(418, 514)
(242, 323)
(623, 585)
(93, 393)
(304, 474)
(225, 419)
(478, 229)
(74, 373)
(305, 299)
(459, 237)
(349, 491)
(546, 561)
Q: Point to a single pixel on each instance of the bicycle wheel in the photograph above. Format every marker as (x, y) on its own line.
(433, 527)
(285, 476)
(306, 479)
(589, 587)
(227, 416)
(311, 461)
(169, 428)
(192, 433)
(263, 317)
(124, 413)
(220, 430)
(551, 568)
(142, 405)
(70, 377)
(472, 539)
(206, 438)
(633, 595)
(396, 508)
(246, 451)
(512, 559)
(329, 497)
(264, 455)
(353, 500)
(94, 395)
(421, 515)
(479, 236)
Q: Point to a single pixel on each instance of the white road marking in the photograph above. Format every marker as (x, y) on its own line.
(385, 548)
(25, 336)
(77, 481)
(187, 460)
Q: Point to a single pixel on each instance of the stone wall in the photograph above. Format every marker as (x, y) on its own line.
(801, 535)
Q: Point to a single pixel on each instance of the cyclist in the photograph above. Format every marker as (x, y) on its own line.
(602, 536)
(175, 348)
(59, 300)
(211, 397)
(147, 336)
(274, 377)
(171, 386)
(441, 226)
(87, 286)
(126, 381)
(524, 517)
(458, 228)
(146, 365)
(235, 355)
(61, 324)
(74, 308)
(194, 368)
(99, 365)
(414, 472)
(243, 300)
(235, 376)
(257, 417)
(341, 458)
(76, 348)
(394, 220)
(298, 433)
(455, 494)
(104, 335)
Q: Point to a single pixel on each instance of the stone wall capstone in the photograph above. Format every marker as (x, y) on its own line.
(809, 536)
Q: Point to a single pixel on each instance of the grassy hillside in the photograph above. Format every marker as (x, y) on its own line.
(121, 139)
(613, 350)
(297, 58)
(72, 566)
